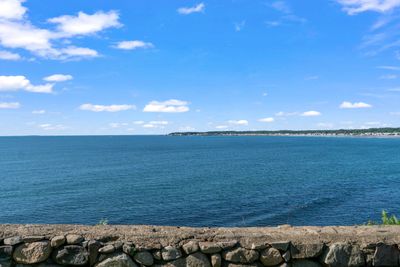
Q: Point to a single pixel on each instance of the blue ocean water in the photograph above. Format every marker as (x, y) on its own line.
(198, 181)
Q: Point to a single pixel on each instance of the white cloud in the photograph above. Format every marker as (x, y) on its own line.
(189, 10)
(148, 125)
(238, 122)
(138, 122)
(58, 78)
(52, 127)
(221, 127)
(76, 52)
(325, 125)
(10, 105)
(15, 83)
(85, 24)
(6, 55)
(281, 6)
(349, 105)
(388, 77)
(103, 108)
(311, 113)
(169, 106)
(286, 114)
(353, 7)
(159, 122)
(132, 45)
(395, 113)
(310, 78)
(240, 25)
(389, 67)
(12, 9)
(16, 31)
(270, 119)
(118, 124)
(187, 129)
(273, 23)
(39, 112)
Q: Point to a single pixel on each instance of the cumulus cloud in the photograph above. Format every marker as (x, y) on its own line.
(169, 106)
(6, 55)
(15, 83)
(58, 78)
(159, 122)
(268, 120)
(311, 113)
(221, 127)
(12, 9)
(350, 105)
(9, 105)
(132, 45)
(85, 24)
(51, 127)
(17, 32)
(353, 7)
(103, 108)
(286, 114)
(238, 122)
(189, 10)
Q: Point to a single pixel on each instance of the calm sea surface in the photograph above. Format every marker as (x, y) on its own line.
(198, 181)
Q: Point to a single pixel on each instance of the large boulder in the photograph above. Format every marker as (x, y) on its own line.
(71, 255)
(305, 251)
(5, 256)
(144, 258)
(209, 247)
(270, 257)
(117, 260)
(171, 253)
(31, 253)
(343, 254)
(190, 247)
(241, 255)
(197, 259)
(386, 255)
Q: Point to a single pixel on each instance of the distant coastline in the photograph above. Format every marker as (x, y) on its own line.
(371, 132)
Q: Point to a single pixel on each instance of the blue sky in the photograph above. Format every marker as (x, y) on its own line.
(153, 67)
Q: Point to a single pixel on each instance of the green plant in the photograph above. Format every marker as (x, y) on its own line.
(386, 219)
(103, 222)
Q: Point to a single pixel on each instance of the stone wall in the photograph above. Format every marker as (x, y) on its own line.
(133, 246)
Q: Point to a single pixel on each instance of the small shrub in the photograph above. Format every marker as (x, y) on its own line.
(386, 220)
(103, 222)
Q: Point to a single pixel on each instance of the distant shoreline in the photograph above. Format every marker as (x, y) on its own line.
(372, 132)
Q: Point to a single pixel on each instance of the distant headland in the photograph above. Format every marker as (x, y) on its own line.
(371, 132)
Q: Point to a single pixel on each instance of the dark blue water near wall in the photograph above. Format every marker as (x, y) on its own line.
(198, 181)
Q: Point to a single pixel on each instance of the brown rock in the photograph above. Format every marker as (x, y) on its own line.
(209, 247)
(216, 260)
(144, 258)
(190, 247)
(71, 255)
(73, 239)
(240, 255)
(306, 250)
(170, 253)
(197, 259)
(57, 241)
(270, 257)
(31, 253)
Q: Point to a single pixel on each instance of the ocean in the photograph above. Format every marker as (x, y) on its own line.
(198, 181)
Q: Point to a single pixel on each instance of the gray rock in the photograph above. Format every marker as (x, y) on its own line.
(93, 249)
(5, 263)
(304, 251)
(240, 255)
(73, 239)
(71, 255)
(144, 258)
(286, 256)
(282, 245)
(157, 255)
(170, 253)
(12, 241)
(118, 245)
(342, 254)
(252, 243)
(229, 264)
(209, 247)
(117, 260)
(227, 244)
(190, 247)
(197, 259)
(31, 253)
(128, 249)
(57, 241)
(176, 263)
(270, 257)
(216, 260)
(306, 263)
(32, 238)
(386, 255)
(107, 249)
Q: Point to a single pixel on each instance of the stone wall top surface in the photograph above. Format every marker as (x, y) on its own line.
(168, 235)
